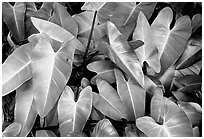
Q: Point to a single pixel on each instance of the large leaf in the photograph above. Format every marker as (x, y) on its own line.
(73, 115)
(123, 56)
(108, 101)
(104, 128)
(194, 116)
(12, 130)
(84, 21)
(148, 51)
(13, 16)
(175, 122)
(170, 42)
(51, 71)
(104, 70)
(53, 30)
(45, 133)
(62, 18)
(17, 68)
(132, 95)
(25, 112)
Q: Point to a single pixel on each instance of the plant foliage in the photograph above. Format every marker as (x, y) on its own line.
(110, 69)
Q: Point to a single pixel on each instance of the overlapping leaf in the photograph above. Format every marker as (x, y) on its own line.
(25, 112)
(45, 133)
(104, 128)
(12, 130)
(132, 95)
(13, 16)
(175, 122)
(122, 55)
(73, 115)
(51, 71)
(170, 42)
(17, 68)
(108, 101)
(104, 70)
(62, 18)
(148, 51)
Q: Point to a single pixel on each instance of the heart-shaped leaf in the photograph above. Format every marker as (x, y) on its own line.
(13, 16)
(123, 56)
(62, 18)
(73, 115)
(194, 116)
(175, 122)
(170, 42)
(104, 70)
(132, 95)
(12, 130)
(147, 52)
(108, 101)
(104, 128)
(51, 71)
(25, 112)
(17, 68)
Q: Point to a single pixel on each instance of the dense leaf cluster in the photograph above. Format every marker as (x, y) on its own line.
(108, 69)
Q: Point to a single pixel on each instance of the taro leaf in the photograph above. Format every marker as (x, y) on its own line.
(45, 133)
(51, 119)
(129, 132)
(108, 101)
(123, 56)
(17, 68)
(196, 132)
(25, 112)
(196, 22)
(149, 86)
(12, 130)
(132, 95)
(194, 116)
(104, 70)
(175, 122)
(191, 88)
(147, 52)
(96, 115)
(157, 105)
(84, 21)
(170, 42)
(62, 18)
(104, 128)
(13, 16)
(73, 115)
(136, 44)
(51, 71)
(53, 30)
(76, 134)
(191, 55)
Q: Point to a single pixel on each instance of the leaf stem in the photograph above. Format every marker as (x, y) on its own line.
(89, 41)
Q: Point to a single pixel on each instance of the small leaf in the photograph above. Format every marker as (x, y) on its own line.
(196, 22)
(132, 95)
(62, 18)
(73, 115)
(170, 42)
(147, 52)
(92, 6)
(17, 68)
(104, 128)
(130, 132)
(123, 56)
(175, 123)
(136, 44)
(104, 70)
(13, 16)
(196, 132)
(190, 88)
(25, 112)
(12, 130)
(108, 101)
(76, 134)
